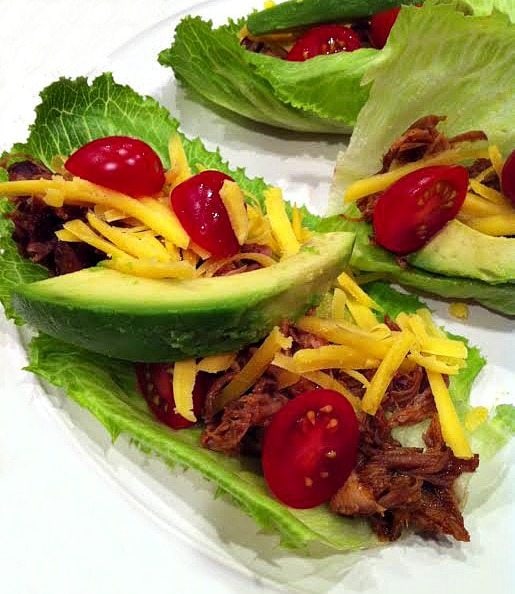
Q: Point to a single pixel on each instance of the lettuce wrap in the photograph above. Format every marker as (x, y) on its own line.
(324, 94)
(73, 112)
(471, 83)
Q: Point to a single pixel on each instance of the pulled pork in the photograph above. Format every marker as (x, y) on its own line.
(393, 486)
(421, 140)
(35, 225)
(398, 487)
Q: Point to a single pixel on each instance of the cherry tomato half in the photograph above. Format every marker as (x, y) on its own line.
(201, 212)
(324, 40)
(155, 384)
(417, 206)
(380, 26)
(310, 448)
(119, 163)
(508, 177)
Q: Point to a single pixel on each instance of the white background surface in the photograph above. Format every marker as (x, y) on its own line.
(65, 527)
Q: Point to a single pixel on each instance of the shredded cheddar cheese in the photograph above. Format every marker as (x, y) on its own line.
(338, 304)
(381, 181)
(180, 170)
(452, 430)
(216, 363)
(386, 371)
(496, 158)
(497, 225)
(281, 226)
(233, 200)
(254, 368)
(184, 374)
(459, 310)
(352, 289)
(150, 268)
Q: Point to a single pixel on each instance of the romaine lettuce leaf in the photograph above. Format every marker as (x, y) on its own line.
(469, 79)
(442, 62)
(319, 95)
(71, 113)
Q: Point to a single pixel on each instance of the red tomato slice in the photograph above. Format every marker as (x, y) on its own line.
(155, 384)
(310, 448)
(119, 163)
(199, 208)
(380, 26)
(508, 177)
(417, 206)
(324, 40)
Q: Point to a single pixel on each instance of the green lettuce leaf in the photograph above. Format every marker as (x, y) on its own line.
(324, 94)
(71, 113)
(470, 78)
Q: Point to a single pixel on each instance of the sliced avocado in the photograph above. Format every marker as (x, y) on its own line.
(140, 319)
(299, 13)
(459, 250)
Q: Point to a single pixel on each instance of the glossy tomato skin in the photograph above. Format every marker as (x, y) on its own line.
(324, 40)
(417, 206)
(201, 212)
(508, 178)
(120, 163)
(155, 384)
(310, 448)
(381, 24)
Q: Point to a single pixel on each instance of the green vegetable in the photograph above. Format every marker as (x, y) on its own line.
(106, 386)
(324, 94)
(298, 13)
(172, 320)
(266, 89)
(471, 77)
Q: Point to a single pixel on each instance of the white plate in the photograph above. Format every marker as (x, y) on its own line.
(182, 503)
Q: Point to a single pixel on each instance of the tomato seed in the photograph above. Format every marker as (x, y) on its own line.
(332, 424)
(324, 474)
(308, 482)
(331, 454)
(327, 409)
(311, 416)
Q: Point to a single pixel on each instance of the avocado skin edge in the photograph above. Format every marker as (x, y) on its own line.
(298, 13)
(153, 334)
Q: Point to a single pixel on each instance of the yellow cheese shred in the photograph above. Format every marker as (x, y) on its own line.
(180, 170)
(260, 231)
(85, 234)
(475, 418)
(150, 268)
(477, 206)
(234, 202)
(54, 198)
(381, 181)
(324, 380)
(496, 158)
(286, 378)
(362, 315)
(338, 305)
(431, 363)
(459, 310)
(452, 430)
(348, 284)
(65, 235)
(364, 342)
(280, 223)
(496, 225)
(184, 374)
(216, 363)
(209, 268)
(149, 211)
(301, 233)
(490, 194)
(386, 371)
(254, 368)
(332, 356)
(133, 245)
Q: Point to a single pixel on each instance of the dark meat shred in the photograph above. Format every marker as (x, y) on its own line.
(249, 411)
(420, 140)
(35, 225)
(262, 47)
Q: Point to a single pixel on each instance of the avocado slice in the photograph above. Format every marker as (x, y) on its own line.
(140, 319)
(299, 13)
(459, 250)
